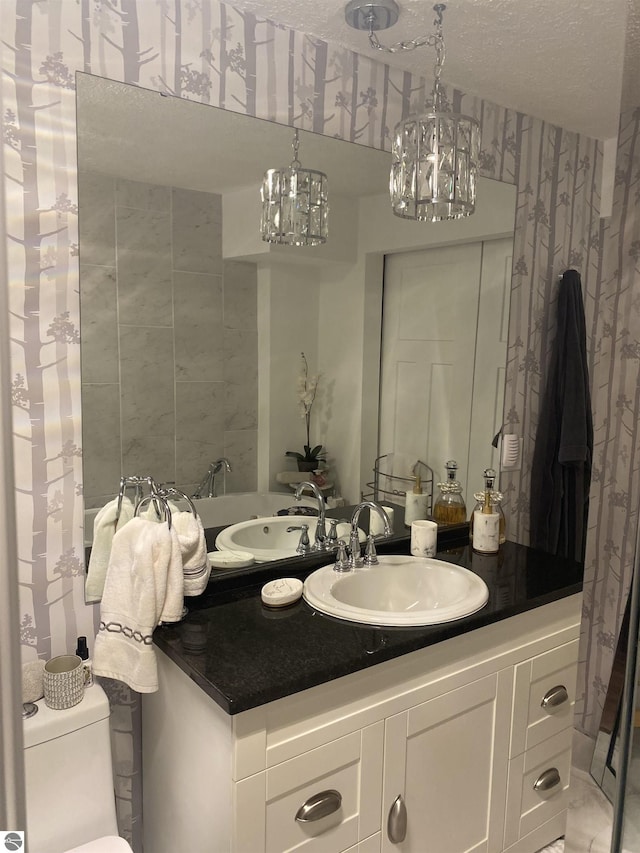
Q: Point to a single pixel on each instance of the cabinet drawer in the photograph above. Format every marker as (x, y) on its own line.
(323, 801)
(538, 785)
(544, 697)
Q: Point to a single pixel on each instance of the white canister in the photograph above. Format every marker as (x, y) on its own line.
(376, 525)
(424, 538)
(486, 532)
(416, 507)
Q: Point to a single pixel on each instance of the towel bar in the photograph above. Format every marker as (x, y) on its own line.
(155, 497)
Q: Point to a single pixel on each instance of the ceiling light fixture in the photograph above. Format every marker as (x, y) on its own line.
(435, 154)
(294, 204)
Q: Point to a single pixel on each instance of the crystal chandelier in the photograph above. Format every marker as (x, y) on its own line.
(434, 159)
(294, 204)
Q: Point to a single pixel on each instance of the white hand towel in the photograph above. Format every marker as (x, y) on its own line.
(195, 560)
(104, 529)
(150, 511)
(173, 607)
(143, 557)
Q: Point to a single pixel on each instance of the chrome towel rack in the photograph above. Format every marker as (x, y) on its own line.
(159, 494)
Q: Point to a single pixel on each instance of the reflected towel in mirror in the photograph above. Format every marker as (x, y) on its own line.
(196, 567)
(104, 529)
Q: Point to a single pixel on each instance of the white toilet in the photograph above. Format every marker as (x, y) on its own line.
(69, 779)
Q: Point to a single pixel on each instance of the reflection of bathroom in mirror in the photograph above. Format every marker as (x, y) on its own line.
(192, 327)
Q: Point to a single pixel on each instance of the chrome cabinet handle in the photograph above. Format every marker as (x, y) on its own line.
(319, 806)
(554, 697)
(397, 821)
(547, 780)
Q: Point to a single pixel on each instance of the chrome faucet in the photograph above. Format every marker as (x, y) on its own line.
(207, 487)
(355, 560)
(320, 542)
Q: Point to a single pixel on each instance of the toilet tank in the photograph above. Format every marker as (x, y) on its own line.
(68, 773)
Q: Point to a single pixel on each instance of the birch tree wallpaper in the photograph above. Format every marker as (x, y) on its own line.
(210, 52)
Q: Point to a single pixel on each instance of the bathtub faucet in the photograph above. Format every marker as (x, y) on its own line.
(207, 487)
(320, 543)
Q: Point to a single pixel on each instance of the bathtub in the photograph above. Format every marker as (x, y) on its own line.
(228, 509)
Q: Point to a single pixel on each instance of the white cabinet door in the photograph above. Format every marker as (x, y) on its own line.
(448, 759)
(369, 845)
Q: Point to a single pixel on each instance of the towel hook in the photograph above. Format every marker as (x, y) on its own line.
(155, 497)
(121, 491)
(136, 482)
(125, 482)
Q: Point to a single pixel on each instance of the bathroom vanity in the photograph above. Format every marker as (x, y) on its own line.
(288, 730)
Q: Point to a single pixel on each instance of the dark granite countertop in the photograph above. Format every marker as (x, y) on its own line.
(243, 654)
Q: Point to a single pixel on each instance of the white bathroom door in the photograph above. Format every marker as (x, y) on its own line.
(491, 358)
(431, 310)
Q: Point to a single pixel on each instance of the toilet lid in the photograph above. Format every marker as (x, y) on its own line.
(107, 844)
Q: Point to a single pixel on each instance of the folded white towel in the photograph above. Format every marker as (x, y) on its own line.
(196, 567)
(149, 511)
(141, 582)
(104, 529)
(173, 607)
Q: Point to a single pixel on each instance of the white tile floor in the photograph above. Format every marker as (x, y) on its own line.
(590, 812)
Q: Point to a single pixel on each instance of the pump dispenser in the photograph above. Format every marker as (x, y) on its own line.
(83, 652)
(484, 529)
(415, 503)
(449, 507)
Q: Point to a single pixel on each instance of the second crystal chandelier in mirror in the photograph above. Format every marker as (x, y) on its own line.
(294, 204)
(434, 154)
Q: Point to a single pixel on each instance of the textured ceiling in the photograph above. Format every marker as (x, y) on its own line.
(559, 60)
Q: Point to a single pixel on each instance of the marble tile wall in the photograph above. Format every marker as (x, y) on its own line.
(169, 354)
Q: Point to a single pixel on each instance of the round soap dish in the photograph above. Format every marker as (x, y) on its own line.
(230, 559)
(281, 592)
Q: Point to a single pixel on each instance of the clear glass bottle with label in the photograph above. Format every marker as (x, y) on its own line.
(449, 507)
(487, 524)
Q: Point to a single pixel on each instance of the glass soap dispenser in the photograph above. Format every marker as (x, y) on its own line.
(487, 525)
(450, 507)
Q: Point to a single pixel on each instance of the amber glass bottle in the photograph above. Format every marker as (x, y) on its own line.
(449, 507)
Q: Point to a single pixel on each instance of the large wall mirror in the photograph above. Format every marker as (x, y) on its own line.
(192, 326)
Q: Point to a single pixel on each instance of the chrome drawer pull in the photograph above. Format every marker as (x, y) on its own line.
(397, 821)
(554, 697)
(319, 806)
(547, 780)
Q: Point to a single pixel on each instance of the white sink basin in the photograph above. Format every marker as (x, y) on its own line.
(272, 538)
(398, 591)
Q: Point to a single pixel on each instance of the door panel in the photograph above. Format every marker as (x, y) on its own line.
(444, 335)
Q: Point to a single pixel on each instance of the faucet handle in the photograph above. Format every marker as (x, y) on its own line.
(331, 542)
(304, 546)
(320, 543)
(354, 546)
(342, 563)
(370, 556)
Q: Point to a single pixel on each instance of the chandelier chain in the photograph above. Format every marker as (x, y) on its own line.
(398, 47)
(295, 163)
(433, 40)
